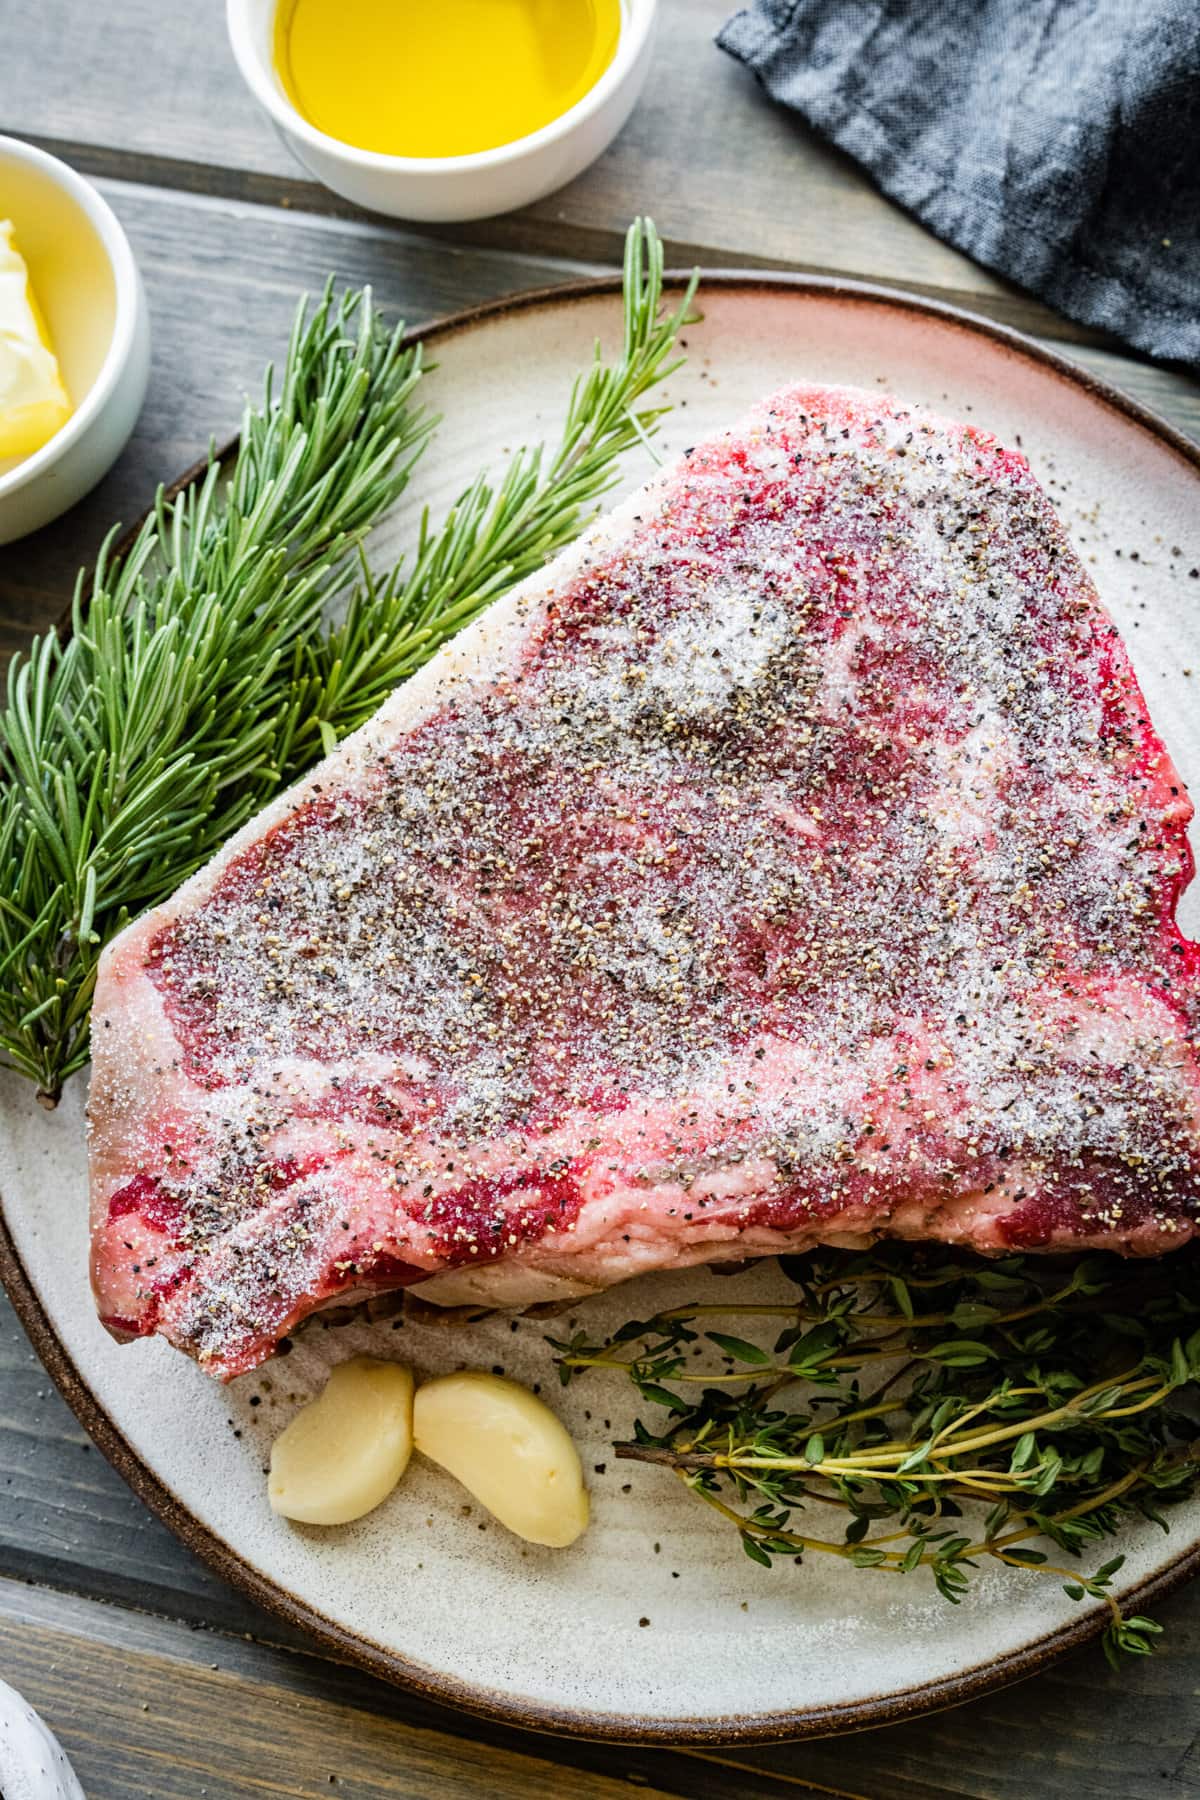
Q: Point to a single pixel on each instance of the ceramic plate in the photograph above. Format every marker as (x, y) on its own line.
(656, 1626)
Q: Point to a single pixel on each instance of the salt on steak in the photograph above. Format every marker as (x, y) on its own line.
(793, 861)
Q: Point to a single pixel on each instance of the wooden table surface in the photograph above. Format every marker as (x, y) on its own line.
(160, 1680)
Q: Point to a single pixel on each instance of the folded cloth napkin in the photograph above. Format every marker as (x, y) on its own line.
(1056, 141)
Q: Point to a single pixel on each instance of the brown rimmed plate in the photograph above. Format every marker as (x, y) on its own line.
(420, 1592)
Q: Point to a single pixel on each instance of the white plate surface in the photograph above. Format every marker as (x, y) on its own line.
(561, 1637)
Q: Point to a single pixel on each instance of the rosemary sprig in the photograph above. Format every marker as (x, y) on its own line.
(1033, 1400)
(130, 751)
(202, 670)
(502, 529)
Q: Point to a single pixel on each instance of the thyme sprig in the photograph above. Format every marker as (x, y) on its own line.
(202, 670)
(951, 1409)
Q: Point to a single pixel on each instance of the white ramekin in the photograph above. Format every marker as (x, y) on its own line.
(444, 188)
(69, 233)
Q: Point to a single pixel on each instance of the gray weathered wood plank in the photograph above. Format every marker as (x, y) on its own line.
(223, 280)
(195, 125)
(69, 1524)
(136, 1704)
(1075, 1730)
(1174, 396)
(229, 234)
(223, 277)
(67, 1519)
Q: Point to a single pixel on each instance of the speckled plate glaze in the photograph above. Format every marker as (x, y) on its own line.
(655, 1626)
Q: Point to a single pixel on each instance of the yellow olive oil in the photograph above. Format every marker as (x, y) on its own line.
(440, 77)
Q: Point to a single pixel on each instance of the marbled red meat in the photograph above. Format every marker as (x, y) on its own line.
(794, 861)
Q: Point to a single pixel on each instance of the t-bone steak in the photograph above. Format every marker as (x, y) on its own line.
(792, 861)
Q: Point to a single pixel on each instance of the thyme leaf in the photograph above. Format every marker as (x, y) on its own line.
(1067, 1413)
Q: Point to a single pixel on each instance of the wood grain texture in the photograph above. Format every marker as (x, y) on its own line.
(195, 125)
(70, 1525)
(222, 278)
(118, 1637)
(67, 1521)
(176, 1716)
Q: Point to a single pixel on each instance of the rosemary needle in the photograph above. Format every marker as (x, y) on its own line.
(202, 671)
(130, 751)
(499, 531)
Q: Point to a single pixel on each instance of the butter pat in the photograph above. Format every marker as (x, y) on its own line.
(33, 401)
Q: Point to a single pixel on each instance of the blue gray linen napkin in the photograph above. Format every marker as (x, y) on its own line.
(1056, 141)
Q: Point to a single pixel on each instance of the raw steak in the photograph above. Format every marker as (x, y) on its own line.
(793, 861)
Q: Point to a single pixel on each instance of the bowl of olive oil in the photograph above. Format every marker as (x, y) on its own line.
(450, 111)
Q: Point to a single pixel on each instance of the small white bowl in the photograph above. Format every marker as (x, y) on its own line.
(445, 188)
(90, 292)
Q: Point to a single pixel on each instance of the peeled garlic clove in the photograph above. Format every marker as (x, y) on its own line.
(345, 1451)
(508, 1449)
